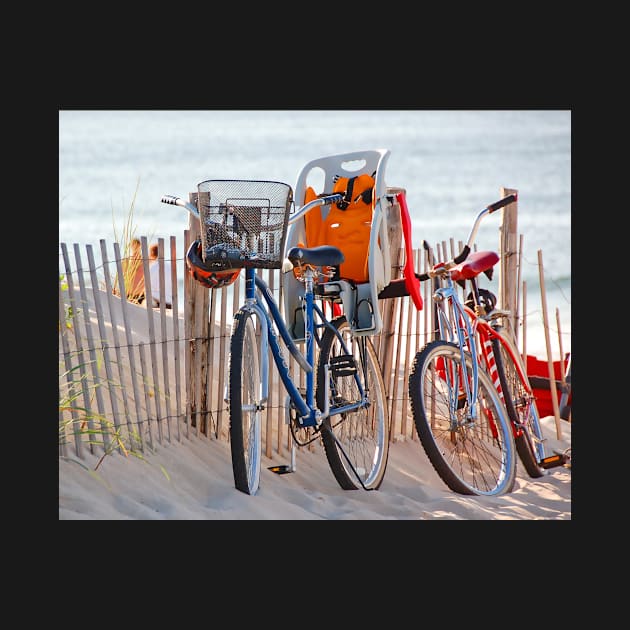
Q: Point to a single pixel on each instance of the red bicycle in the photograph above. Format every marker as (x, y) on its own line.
(458, 419)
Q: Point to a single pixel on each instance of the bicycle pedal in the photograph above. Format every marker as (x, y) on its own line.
(283, 469)
(557, 459)
(343, 365)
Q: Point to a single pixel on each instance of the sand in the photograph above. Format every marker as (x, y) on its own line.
(193, 480)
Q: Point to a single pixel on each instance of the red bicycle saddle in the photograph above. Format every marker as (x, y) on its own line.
(476, 263)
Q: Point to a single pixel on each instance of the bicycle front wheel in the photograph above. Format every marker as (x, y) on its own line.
(245, 403)
(470, 447)
(521, 408)
(357, 442)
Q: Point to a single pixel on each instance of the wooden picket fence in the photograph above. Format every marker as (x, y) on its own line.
(120, 392)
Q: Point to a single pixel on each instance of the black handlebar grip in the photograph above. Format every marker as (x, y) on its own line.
(328, 199)
(502, 202)
(462, 255)
(170, 199)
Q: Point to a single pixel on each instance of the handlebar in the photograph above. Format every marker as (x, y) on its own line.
(177, 201)
(501, 203)
(322, 200)
(221, 257)
(442, 268)
(493, 207)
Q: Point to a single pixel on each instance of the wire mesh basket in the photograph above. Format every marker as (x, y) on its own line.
(243, 222)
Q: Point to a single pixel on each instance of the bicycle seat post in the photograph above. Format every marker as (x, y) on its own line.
(310, 334)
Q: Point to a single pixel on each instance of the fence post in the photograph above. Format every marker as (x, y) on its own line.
(388, 307)
(552, 374)
(508, 284)
(197, 347)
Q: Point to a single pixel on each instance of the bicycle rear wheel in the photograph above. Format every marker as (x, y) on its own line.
(472, 455)
(521, 408)
(245, 404)
(356, 443)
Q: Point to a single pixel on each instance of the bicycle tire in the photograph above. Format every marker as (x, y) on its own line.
(475, 458)
(362, 435)
(521, 408)
(244, 403)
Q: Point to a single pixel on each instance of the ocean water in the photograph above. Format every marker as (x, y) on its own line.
(452, 163)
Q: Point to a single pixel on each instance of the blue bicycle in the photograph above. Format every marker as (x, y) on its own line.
(343, 402)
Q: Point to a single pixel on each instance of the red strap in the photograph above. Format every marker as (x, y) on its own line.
(411, 282)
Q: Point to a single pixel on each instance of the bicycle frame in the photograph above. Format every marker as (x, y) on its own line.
(309, 415)
(456, 321)
(461, 324)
